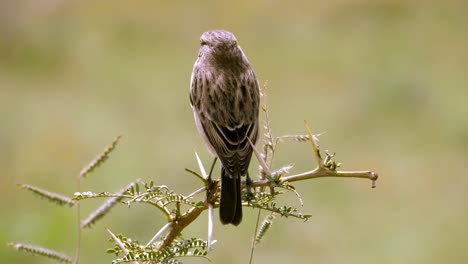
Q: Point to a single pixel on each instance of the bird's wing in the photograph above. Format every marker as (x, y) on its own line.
(231, 144)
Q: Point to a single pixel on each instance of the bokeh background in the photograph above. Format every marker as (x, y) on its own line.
(386, 81)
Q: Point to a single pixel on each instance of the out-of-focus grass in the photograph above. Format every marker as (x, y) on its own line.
(386, 81)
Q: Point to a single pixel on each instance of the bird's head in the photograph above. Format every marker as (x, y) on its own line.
(219, 40)
(219, 47)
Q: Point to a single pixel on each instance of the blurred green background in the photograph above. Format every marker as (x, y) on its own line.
(386, 81)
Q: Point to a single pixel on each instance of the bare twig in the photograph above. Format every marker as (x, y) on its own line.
(322, 173)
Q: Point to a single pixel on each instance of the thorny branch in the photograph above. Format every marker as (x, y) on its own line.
(321, 173)
(325, 168)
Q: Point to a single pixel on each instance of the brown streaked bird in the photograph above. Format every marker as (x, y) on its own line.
(225, 98)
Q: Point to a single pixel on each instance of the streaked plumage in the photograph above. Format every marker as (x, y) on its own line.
(225, 97)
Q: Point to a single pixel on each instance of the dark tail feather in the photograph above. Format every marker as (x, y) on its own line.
(230, 206)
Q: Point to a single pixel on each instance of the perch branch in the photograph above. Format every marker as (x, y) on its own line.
(322, 173)
(183, 221)
(179, 223)
(325, 168)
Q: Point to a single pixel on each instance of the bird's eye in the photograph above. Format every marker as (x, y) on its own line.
(203, 42)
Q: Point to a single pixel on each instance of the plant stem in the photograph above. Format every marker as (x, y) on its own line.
(252, 249)
(78, 223)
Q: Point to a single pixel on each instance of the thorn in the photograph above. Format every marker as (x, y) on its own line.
(159, 233)
(260, 159)
(202, 168)
(315, 147)
(210, 225)
(118, 241)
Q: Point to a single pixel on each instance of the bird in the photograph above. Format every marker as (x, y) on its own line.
(225, 98)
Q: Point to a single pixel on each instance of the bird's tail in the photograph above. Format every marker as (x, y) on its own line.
(230, 206)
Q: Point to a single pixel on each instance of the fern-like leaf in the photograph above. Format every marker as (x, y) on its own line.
(193, 247)
(281, 172)
(105, 207)
(264, 227)
(284, 211)
(40, 251)
(298, 138)
(53, 197)
(289, 187)
(161, 195)
(101, 158)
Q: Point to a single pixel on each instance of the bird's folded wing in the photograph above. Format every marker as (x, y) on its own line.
(231, 144)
